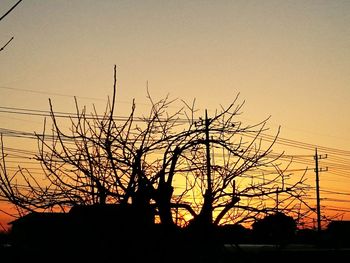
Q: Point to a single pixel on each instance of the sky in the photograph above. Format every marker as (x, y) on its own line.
(287, 59)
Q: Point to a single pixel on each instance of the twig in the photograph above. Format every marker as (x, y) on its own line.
(1, 49)
(10, 10)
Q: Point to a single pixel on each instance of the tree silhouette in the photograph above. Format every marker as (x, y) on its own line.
(187, 170)
(276, 227)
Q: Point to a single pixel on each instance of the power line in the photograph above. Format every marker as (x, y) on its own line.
(67, 115)
(338, 163)
(50, 93)
(67, 95)
(266, 137)
(303, 145)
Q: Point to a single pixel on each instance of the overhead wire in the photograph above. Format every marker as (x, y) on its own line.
(338, 162)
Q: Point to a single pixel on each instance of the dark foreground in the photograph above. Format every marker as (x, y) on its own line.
(120, 234)
(241, 253)
(251, 253)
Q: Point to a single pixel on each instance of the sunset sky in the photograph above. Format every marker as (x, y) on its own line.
(287, 59)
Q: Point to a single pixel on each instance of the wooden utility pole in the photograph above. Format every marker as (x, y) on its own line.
(209, 192)
(317, 193)
(277, 201)
(207, 144)
(317, 170)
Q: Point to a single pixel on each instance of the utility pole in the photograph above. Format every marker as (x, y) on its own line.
(209, 191)
(317, 170)
(277, 192)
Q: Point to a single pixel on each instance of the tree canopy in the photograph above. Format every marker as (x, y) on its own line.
(176, 164)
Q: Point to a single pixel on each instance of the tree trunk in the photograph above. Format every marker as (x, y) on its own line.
(163, 200)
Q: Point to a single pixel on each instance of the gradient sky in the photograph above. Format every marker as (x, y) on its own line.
(287, 59)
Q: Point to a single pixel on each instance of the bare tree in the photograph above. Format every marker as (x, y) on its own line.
(225, 166)
(209, 171)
